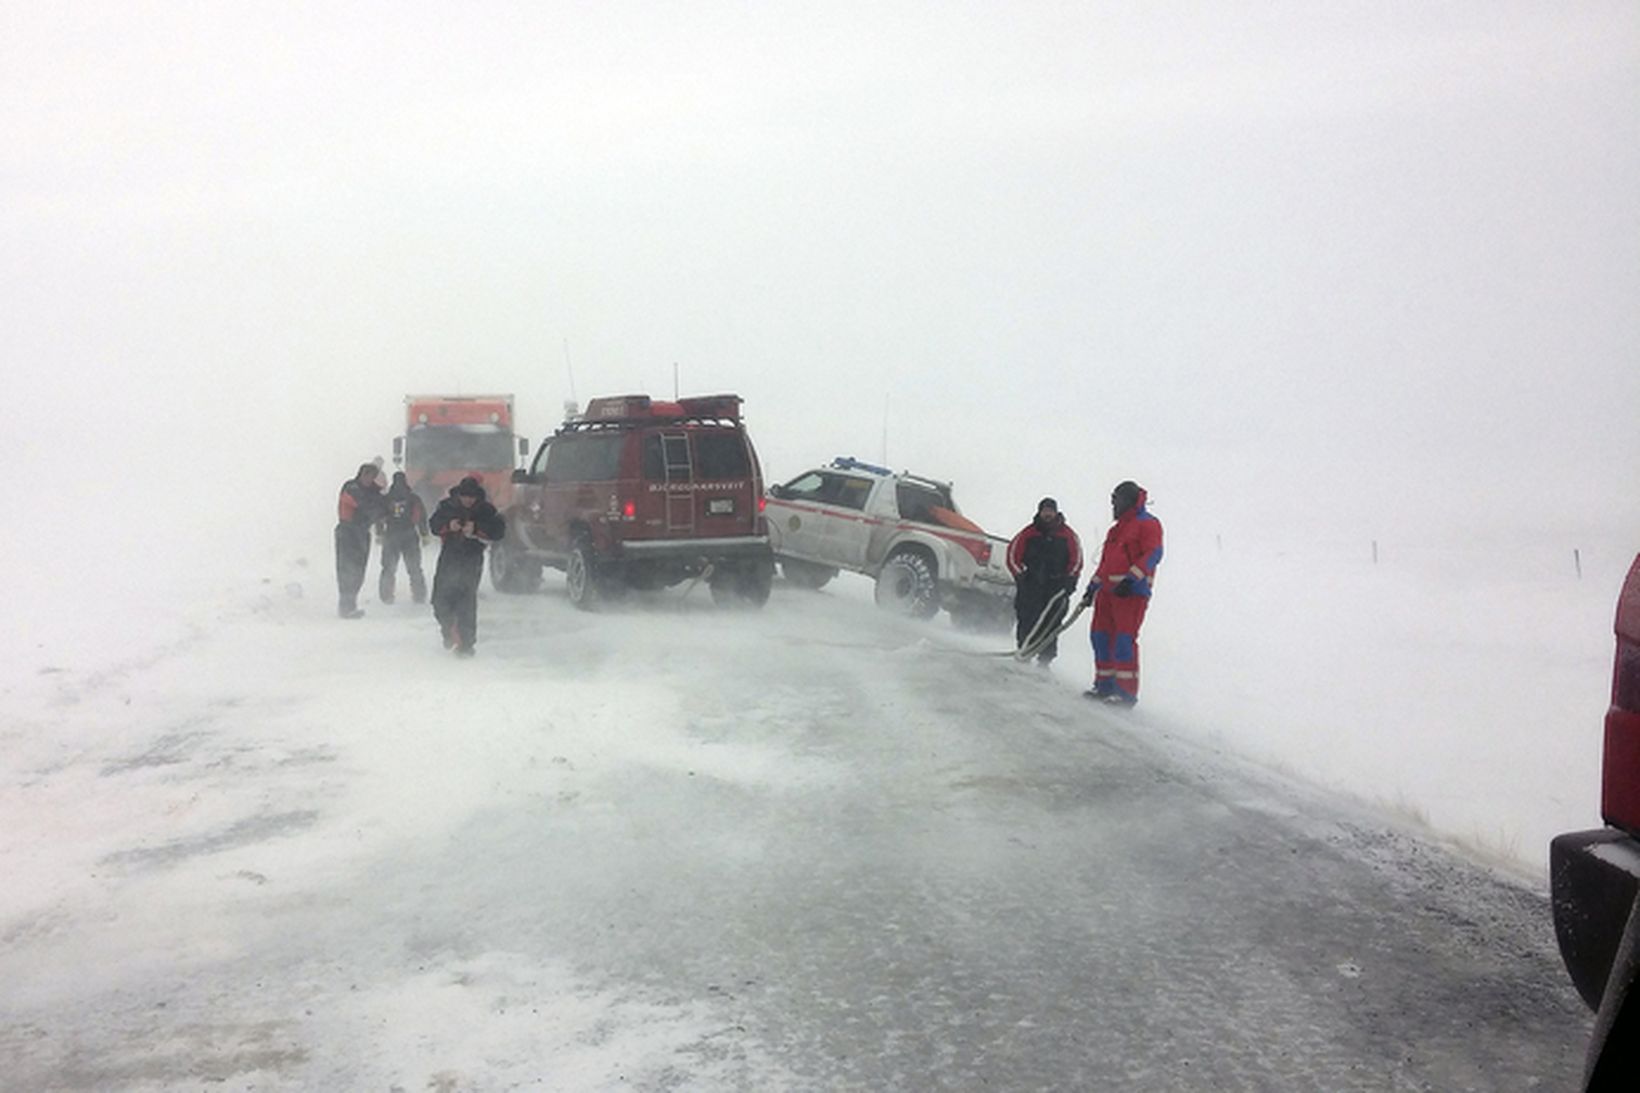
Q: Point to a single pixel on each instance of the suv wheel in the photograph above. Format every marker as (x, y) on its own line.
(806, 574)
(907, 586)
(743, 587)
(756, 581)
(581, 577)
(511, 571)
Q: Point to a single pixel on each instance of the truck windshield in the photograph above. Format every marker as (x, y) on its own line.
(459, 447)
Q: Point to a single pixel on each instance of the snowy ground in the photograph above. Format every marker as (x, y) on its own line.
(669, 847)
(1463, 688)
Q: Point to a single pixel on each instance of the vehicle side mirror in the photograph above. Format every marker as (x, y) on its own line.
(521, 475)
(779, 493)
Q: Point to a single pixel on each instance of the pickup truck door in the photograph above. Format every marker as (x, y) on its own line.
(847, 524)
(801, 516)
(820, 518)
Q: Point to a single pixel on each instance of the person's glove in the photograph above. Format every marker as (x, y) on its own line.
(1087, 597)
(1124, 587)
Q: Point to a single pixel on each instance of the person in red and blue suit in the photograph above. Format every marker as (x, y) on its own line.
(1119, 592)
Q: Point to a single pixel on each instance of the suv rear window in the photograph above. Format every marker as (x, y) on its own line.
(716, 455)
(721, 455)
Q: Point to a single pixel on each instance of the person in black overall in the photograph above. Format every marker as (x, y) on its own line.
(358, 508)
(464, 522)
(402, 531)
(1045, 558)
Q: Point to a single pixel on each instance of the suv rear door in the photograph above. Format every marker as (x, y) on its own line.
(700, 482)
(725, 484)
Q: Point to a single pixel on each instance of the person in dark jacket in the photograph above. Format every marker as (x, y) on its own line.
(402, 529)
(359, 506)
(1119, 592)
(464, 522)
(1045, 559)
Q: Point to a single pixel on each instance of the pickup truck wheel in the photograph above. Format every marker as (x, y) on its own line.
(906, 585)
(806, 574)
(581, 577)
(511, 571)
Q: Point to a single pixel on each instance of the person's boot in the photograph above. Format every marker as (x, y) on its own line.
(347, 610)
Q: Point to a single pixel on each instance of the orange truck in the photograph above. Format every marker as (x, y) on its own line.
(447, 437)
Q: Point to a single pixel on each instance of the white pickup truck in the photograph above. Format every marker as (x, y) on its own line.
(902, 530)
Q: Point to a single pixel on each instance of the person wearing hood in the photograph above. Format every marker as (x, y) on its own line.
(402, 529)
(359, 506)
(1119, 592)
(464, 522)
(1045, 559)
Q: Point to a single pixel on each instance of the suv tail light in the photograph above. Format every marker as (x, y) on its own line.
(762, 503)
(980, 549)
(1620, 780)
(629, 510)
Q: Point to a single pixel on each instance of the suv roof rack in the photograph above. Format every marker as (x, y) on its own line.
(643, 408)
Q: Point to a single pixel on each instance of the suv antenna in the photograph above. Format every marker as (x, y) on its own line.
(674, 381)
(569, 368)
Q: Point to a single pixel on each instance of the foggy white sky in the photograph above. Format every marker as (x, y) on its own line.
(1369, 266)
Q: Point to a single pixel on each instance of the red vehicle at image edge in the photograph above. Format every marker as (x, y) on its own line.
(1595, 876)
(448, 437)
(639, 493)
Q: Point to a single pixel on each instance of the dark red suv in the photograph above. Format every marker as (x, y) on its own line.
(638, 493)
(1595, 876)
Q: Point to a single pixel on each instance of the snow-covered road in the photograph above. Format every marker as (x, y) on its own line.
(668, 847)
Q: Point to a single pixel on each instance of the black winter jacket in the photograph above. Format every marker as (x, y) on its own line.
(1046, 555)
(451, 514)
(405, 513)
(360, 506)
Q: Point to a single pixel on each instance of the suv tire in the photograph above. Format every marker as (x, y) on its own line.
(907, 585)
(806, 574)
(746, 586)
(581, 577)
(511, 571)
(755, 584)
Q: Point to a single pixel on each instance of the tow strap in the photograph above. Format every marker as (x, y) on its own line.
(1042, 633)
